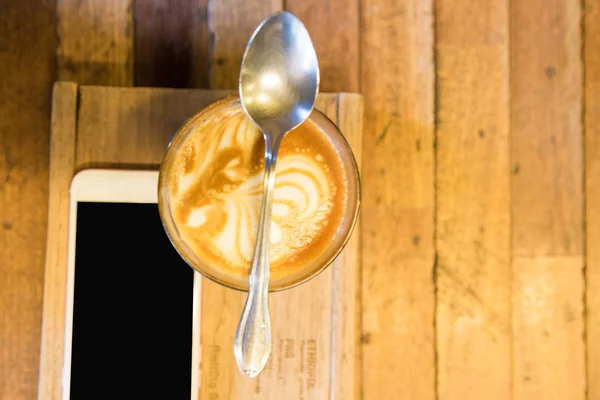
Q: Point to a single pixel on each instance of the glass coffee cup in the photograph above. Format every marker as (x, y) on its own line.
(210, 186)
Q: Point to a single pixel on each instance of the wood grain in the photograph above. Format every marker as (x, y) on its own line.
(592, 192)
(547, 208)
(171, 43)
(62, 166)
(549, 361)
(27, 48)
(397, 81)
(473, 201)
(546, 87)
(231, 24)
(132, 126)
(95, 42)
(347, 273)
(337, 43)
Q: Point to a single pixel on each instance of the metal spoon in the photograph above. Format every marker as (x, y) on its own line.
(279, 82)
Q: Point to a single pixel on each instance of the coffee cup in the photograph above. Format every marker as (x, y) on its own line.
(210, 188)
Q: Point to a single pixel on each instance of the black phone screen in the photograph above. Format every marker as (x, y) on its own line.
(133, 299)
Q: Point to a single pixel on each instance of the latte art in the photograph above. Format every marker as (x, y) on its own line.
(217, 186)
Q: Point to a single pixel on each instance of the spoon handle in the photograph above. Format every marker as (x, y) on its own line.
(253, 336)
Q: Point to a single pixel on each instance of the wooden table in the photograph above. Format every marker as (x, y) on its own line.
(481, 172)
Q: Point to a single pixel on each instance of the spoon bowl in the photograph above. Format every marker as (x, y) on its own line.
(279, 82)
(279, 77)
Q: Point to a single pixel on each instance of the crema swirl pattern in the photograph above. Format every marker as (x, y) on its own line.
(217, 192)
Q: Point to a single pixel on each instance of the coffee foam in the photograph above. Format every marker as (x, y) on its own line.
(217, 185)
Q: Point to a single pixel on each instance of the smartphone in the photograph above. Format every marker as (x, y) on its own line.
(132, 320)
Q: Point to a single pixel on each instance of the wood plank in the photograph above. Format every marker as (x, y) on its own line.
(95, 42)
(218, 330)
(346, 278)
(231, 24)
(547, 209)
(546, 87)
(129, 126)
(549, 361)
(397, 81)
(334, 26)
(473, 201)
(196, 336)
(62, 166)
(27, 48)
(592, 192)
(201, 42)
(171, 43)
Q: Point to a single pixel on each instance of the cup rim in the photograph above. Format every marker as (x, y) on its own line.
(161, 206)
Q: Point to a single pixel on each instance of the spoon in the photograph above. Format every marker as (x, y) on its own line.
(279, 82)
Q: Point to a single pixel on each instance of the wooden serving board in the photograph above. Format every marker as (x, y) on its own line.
(314, 325)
